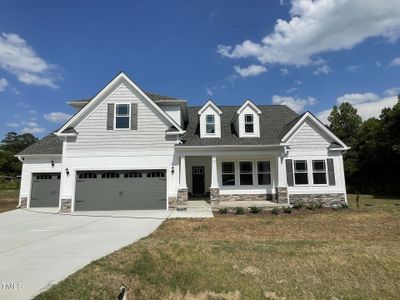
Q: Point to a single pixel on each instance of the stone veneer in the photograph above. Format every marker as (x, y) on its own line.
(182, 198)
(24, 202)
(172, 203)
(214, 195)
(324, 199)
(281, 195)
(66, 205)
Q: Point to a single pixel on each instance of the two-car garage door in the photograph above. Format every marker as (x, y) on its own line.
(120, 190)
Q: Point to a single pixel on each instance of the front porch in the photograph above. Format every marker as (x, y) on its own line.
(232, 179)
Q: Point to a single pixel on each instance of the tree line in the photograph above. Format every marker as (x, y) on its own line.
(372, 165)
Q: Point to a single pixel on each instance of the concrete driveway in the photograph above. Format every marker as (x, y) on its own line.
(40, 249)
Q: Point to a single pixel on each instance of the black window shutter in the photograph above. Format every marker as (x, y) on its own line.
(110, 116)
(331, 172)
(289, 172)
(134, 116)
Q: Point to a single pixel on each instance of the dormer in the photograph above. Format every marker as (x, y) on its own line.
(247, 120)
(210, 120)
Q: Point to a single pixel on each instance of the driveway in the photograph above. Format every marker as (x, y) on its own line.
(40, 249)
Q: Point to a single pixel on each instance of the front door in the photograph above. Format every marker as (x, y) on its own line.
(198, 181)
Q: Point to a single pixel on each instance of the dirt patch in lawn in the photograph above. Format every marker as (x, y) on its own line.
(8, 200)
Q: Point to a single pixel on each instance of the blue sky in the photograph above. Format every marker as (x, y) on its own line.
(319, 54)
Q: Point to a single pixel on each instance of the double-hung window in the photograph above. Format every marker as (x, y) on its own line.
(122, 116)
(264, 173)
(248, 123)
(228, 173)
(319, 172)
(246, 173)
(300, 172)
(210, 124)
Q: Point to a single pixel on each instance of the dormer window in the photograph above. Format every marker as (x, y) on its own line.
(122, 116)
(210, 124)
(248, 123)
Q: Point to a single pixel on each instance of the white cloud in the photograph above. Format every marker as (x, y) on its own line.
(19, 58)
(392, 92)
(395, 62)
(284, 71)
(250, 71)
(297, 82)
(321, 26)
(325, 69)
(57, 117)
(368, 105)
(209, 91)
(291, 90)
(353, 68)
(32, 112)
(357, 98)
(33, 130)
(378, 64)
(12, 124)
(3, 84)
(297, 104)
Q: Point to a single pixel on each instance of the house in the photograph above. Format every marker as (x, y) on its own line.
(128, 149)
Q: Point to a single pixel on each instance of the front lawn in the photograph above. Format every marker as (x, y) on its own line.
(346, 254)
(8, 200)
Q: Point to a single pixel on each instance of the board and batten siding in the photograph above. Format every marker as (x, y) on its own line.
(94, 137)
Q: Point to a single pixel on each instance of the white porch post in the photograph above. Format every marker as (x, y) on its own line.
(214, 174)
(182, 174)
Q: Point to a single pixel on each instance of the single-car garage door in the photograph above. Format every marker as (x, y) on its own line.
(45, 190)
(120, 190)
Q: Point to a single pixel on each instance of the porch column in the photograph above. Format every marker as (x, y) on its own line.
(182, 174)
(214, 188)
(183, 190)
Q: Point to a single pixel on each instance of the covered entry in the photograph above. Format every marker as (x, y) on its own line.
(121, 190)
(45, 190)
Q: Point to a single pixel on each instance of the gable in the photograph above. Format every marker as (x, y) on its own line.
(93, 133)
(210, 110)
(309, 137)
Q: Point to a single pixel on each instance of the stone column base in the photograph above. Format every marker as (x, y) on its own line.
(214, 196)
(24, 202)
(66, 205)
(182, 197)
(281, 195)
(172, 202)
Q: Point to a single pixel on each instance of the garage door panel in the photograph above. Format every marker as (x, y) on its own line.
(127, 190)
(45, 190)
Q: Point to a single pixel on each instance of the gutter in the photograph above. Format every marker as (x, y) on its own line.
(199, 147)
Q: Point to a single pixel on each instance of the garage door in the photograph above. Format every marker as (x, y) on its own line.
(120, 190)
(45, 190)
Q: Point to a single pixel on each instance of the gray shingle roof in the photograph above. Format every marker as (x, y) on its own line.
(152, 96)
(50, 144)
(273, 121)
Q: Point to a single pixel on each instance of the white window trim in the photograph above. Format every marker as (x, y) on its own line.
(326, 172)
(248, 123)
(129, 115)
(310, 172)
(255, 184)
(234, 173)
(252, 172)
(270, 173)
(213, 123)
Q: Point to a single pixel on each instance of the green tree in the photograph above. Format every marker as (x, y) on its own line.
(345, 122)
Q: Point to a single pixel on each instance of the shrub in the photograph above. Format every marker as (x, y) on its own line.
(345, 205)
(319, 205)
(255, 209)
(287, 210)
(239, 211)
(223, 210)
(298, 205)
(311, 207)
(275, 211)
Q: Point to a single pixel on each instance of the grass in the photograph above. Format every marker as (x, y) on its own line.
(8, 200)
(346, 254)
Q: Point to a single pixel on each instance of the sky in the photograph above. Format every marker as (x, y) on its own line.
(309, 55)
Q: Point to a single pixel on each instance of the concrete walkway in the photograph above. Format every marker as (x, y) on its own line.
(40, 249)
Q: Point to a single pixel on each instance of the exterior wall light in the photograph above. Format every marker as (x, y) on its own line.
(172, 170)
(52, 163)
(67, 171)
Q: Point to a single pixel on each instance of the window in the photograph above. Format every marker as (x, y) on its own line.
(264, 173)
(44, 176)
(300, 172)
(319, 172)
(110, 175)
(246, 173)
(248, 123)
(156, 174)
(133, 174)
(210, 124)
(228, 173)
(87, 175)
(122, 116)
